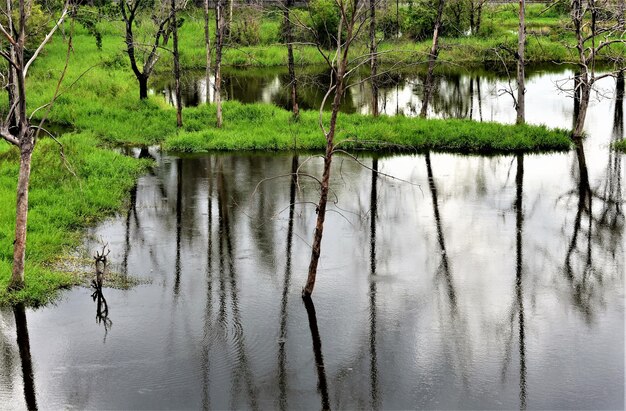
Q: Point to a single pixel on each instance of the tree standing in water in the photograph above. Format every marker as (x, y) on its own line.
(594, 24)
(352, 17)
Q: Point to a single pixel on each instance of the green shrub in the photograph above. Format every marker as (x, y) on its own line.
(245, 29)
(325, 21)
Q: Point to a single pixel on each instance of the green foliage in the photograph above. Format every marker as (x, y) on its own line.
(245, 29)
(390, 21)
(420, 20)
(325, 21)
(421, 15)
(89, 19)
(620, 145)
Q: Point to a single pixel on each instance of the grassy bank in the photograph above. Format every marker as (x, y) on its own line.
(265, 127)
(61, 205)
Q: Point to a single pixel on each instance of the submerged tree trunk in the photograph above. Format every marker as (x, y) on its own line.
(521, 46)
(179, 100)
(432, 59)
(219, 38)
(290, 59)
(207, 43)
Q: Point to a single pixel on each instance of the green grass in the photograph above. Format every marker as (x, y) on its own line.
(61, 206)
(265, 127)
(620, 145)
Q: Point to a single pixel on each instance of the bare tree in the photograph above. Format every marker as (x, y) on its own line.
(207, 43)
(17, 128)
(475, 15)
(130, 10)
(432, 59)
(596, 29)
(373, 58)
(520, 105)
(290, 59)
(176, 55)
(352, 19)
(219, 42)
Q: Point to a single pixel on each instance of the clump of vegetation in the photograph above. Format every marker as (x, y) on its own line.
(265, 127)
(66, 196)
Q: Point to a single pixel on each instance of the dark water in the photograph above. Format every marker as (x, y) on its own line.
(468, 282)
(457, 92)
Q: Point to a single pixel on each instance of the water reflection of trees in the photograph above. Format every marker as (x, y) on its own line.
(10, 354)
(228, 178)
(597, 224)
(458, 334)
(517, 309)
(282, 339)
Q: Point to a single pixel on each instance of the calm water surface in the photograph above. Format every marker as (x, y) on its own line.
(468, 282)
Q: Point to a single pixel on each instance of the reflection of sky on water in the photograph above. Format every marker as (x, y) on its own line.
(447, 331)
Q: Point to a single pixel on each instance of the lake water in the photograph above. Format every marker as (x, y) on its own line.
(465, 282)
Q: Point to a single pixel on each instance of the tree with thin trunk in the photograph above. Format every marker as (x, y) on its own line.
(596, 29)
(520, 105)
(290, 59)
(131, 11)
(475, 15)
(17, 128)
(353, 15)
(432, 59)
(373, 58)
(176, 55)
(219, 42)
(207, 44)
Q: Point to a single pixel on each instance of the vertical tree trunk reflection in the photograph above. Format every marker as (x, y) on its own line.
(322, 385)
(282, 361)
(23, 343)
(179, 211)
(519, 213)
(373, 355)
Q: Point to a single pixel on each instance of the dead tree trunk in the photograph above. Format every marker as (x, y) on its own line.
(290, 59)
(129, 11)
(17, 129)
(207, 43)
(350, 13)
(219, 39)
(591, 20)
(521, 46)
(373, 58)
(229, 26)
(432, 59)
(321, 208)
(21, 218)
(179, 100)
